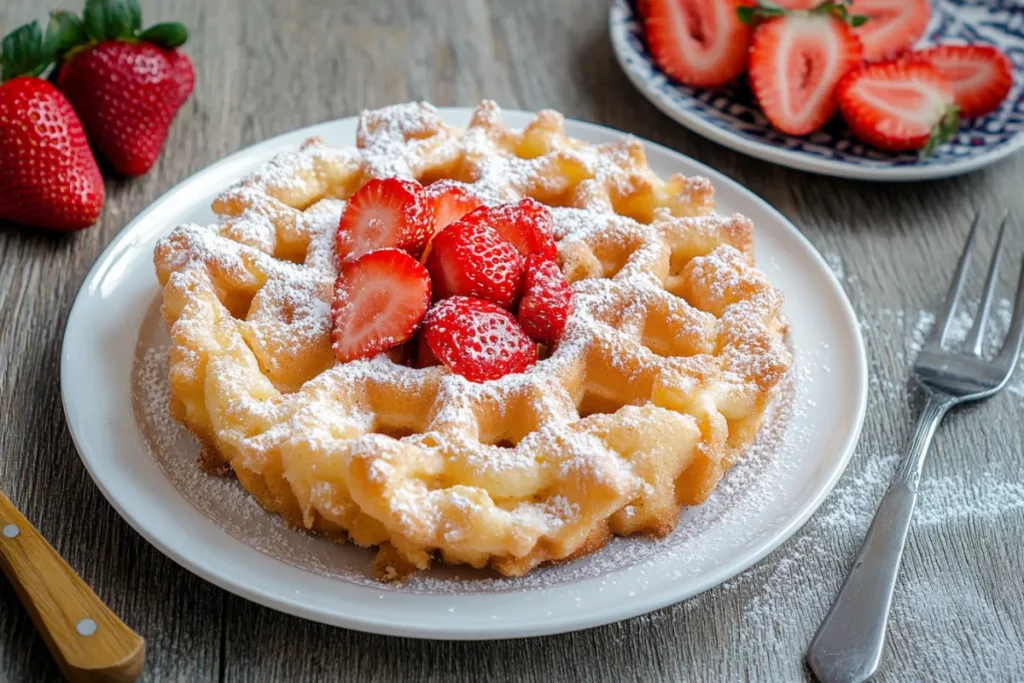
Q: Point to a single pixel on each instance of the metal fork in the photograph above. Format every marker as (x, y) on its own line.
(848, 644)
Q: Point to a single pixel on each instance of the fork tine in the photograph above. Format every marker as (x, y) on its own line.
(1010, 352)
(976, 337)
(955, 287)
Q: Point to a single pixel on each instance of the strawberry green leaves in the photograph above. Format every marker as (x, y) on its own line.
(28, 51)
(64, 31)
(761, 11)
(170, 35)
(765, 10)
(106, 19)
(944, 131)
(24, 52)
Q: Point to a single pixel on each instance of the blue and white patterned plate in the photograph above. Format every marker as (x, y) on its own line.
(731, 117)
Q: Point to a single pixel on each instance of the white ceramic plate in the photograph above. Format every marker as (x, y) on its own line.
(206, 524)
(730, 115)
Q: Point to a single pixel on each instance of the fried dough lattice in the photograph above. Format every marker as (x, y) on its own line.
(659, 383)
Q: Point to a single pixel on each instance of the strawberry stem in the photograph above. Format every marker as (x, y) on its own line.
(944, 131)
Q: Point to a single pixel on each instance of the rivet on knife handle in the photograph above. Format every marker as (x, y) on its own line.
(88, 641)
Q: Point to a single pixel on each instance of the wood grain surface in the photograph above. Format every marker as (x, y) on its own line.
(267, 67)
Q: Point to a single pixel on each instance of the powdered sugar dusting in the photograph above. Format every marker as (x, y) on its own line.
(672, 325)
(959, 327)
(750, 486)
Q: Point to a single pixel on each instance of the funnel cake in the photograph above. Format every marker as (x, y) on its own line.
(657, 386)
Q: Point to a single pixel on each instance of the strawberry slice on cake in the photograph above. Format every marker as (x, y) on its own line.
(385, 213)
(379, 300)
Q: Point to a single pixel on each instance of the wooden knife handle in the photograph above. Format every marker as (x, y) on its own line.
(88, 641)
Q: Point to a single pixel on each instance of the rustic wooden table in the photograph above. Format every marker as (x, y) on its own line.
(268, 67)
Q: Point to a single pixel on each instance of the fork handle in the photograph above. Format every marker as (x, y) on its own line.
(88, 641)
(848, 645)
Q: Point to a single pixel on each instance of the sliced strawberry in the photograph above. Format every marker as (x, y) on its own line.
(795, 62)
(899, 106)
(698, 42)
(892, 26)
(981, 75)
(526, 224)
(477, 339)
(450, 200)
(379, 300)
(388, 213)
(473, 260)
(547, 300)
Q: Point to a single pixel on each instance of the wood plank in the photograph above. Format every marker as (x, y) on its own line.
(266, 68)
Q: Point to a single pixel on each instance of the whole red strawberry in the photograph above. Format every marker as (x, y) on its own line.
(125, 83)
(48, 176)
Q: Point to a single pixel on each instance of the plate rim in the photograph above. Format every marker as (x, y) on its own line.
(778, 155)
(123, 241)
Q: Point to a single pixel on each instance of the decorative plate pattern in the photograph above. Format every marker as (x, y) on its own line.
(730, 115)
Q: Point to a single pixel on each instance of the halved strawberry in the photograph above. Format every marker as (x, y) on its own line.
(547, 300)
(981, 75)
(379, 300)
(477, 339)
(899, 106)
(526, 224)
(796, 59)
(385, 213)
(473, 260)
(450, 200)
(698, 42)
(892, 26)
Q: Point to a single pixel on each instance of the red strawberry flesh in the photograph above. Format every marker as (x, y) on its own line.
(701, 43)
(547, 301)
(477, 339)
(525, 224)
(379, 300)
(893, 26)
(982, 76)
(382, 214)
(449, 200)
(795, 62)
(898, 106)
